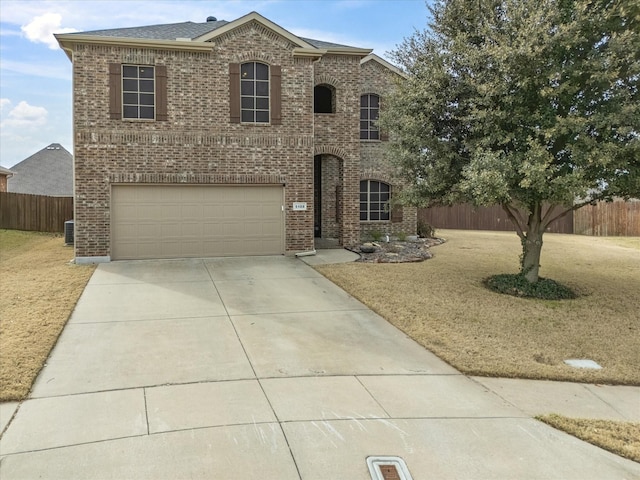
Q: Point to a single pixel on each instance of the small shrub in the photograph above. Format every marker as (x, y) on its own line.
(518, 286)
(425, 230)
(402, 236)
(376, 235)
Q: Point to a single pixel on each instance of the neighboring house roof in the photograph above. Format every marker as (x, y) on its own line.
(5, 171)
(191, 35)
(47, 172)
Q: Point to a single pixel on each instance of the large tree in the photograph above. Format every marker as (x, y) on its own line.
(529, 104)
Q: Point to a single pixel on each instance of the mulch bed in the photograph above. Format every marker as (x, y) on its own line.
(397, 251)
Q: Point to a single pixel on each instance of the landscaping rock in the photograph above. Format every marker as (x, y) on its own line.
(397, 251)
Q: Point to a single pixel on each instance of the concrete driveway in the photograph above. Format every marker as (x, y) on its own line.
(260, 368)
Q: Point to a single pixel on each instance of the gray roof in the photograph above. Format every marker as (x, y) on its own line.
(322, 44)
(167, 31)
(5, 171)
(47, 172)
(191, 30)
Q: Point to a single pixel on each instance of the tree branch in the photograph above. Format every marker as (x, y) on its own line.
(515, 220)
(575, 207)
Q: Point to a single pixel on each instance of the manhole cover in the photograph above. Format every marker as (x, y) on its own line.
(388, 468)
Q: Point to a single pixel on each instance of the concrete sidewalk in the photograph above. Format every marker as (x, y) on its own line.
(246, 368)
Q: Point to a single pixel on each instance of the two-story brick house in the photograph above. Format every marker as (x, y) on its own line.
(225, 138)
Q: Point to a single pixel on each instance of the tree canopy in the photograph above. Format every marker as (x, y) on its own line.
(528, 104)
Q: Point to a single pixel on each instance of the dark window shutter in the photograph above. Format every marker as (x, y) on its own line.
(234, 92)
(115, 91)
(161, 93)
(396, 210)
(276, 95)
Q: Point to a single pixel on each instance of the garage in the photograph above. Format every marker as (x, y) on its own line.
(176, 221)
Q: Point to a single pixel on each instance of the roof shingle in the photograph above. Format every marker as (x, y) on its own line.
(47, 172)
(191, 30)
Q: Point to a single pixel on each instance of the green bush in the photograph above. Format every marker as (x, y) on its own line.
(425, 230)
(376, 235)
(518, 286)
(402, 236)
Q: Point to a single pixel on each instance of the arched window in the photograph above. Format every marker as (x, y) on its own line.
(323, 99)
(254, 92)
(374, 200)
(369, 110)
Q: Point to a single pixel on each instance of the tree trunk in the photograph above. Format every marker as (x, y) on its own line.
(532, 246)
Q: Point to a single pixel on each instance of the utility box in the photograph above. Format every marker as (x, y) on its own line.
(68, 232)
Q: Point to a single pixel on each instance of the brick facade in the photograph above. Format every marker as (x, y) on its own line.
(198, 144)
(377, 79)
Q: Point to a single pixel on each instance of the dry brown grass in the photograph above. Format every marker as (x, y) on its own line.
(442, 304)
(621, 438)
(39, 290)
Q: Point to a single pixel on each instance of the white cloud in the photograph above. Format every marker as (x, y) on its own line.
(4, 102)
(60, 69)
(24, 115)
(42, 28)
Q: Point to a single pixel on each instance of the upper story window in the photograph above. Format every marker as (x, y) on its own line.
(138, 92)
(369, 111)
(374, 200)
(254, 92)
(323, 99)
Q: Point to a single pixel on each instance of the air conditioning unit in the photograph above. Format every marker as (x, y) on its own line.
(68, 232)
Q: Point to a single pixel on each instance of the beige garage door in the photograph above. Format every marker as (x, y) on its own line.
(174, 221)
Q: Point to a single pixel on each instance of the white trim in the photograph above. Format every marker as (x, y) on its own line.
(67, 42)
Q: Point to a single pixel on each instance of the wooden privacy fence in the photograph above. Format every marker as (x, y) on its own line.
(19, 211)
(619, 218)
(468, 217)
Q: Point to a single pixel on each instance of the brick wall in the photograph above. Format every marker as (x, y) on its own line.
(336, 135)
(377, 79)
(198, 144)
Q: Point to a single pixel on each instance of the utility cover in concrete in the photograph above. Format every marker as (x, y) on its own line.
(583, 363)
(388, 468)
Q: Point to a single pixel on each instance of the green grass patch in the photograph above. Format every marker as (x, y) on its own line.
(518, 286)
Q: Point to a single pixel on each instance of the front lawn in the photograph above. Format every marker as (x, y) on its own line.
(40, 288)
(443, 304)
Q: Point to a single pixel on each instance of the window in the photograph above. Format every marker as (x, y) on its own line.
(374, 200)
(323, 99)
(259, 93)
(369, 109)
(254, 92)
(138, 92)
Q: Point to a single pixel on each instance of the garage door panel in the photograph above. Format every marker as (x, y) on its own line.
(168, 221)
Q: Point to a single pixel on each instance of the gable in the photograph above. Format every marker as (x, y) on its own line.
(380, 64)
(256, 21)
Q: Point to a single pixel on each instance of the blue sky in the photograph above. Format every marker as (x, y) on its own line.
(35, 75)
